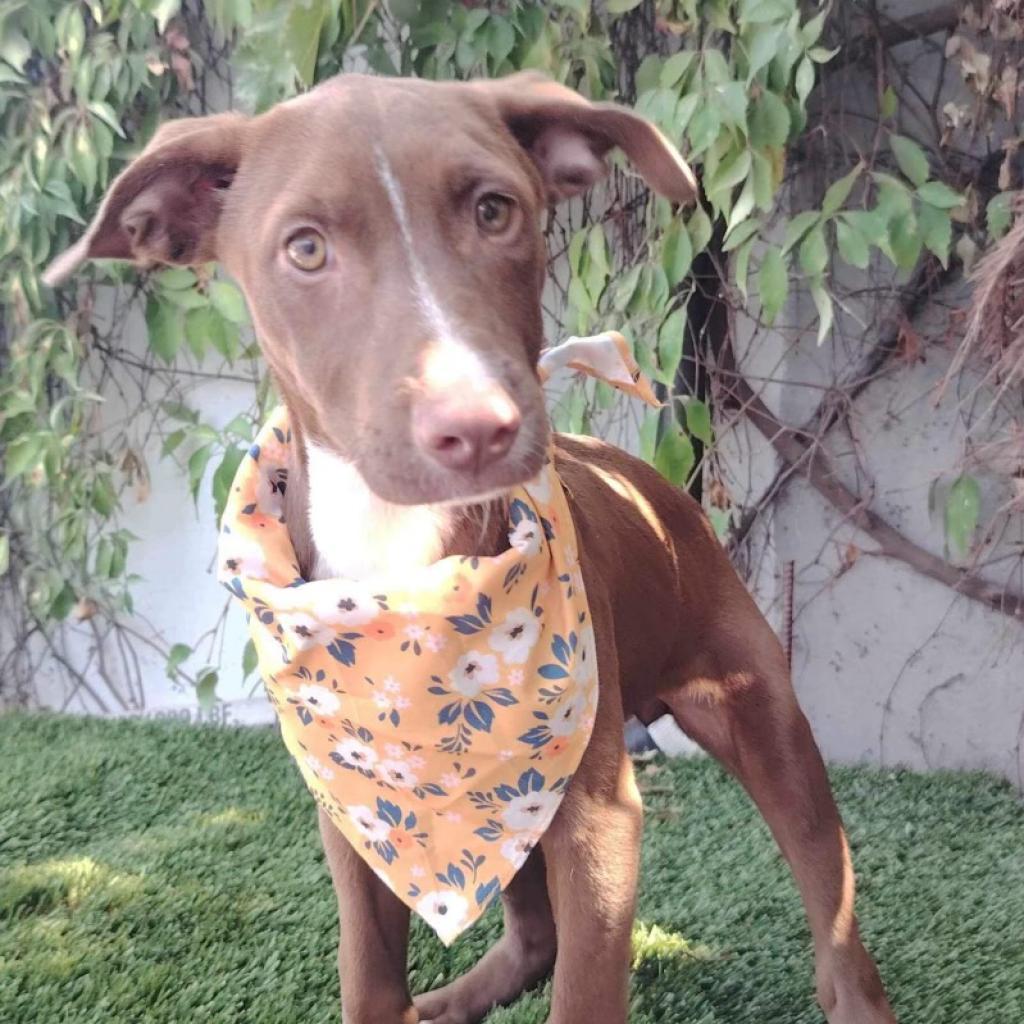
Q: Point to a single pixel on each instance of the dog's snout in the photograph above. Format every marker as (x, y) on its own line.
(466, 431)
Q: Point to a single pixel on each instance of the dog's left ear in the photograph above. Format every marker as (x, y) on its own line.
(568, 138)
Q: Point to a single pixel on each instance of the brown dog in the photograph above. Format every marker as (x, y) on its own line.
(385, 235)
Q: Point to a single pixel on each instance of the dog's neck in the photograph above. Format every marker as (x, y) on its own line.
(356, 534)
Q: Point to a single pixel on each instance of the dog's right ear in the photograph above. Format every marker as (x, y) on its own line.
(165, 206)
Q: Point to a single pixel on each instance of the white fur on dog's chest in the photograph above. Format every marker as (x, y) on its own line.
(355, 533)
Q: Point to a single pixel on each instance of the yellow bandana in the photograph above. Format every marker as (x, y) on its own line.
(437, 715)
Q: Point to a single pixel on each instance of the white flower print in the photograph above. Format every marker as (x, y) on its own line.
(506, 755)
(416, 761)
(525, 538)
(239, 556)
(515, 677)
(473, 672)
(346, 603)
(568, 716)
(403, 703)
(516, 636)
(414, 632)
(532, 811)
(318, 768)
(392, 685)
(318, 699)
(450, 780)
(397, 773)
(417, 872)
(443, 911)
(434, 642)
(305, 631)
(394, 750)
(382, 700)
(368, 824)
(355, 753)
(585, 662)
(517, 848)
(539, 488)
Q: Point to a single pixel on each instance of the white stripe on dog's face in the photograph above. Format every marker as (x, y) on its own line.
(453, 359)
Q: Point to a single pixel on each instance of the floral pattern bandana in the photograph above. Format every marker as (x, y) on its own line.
(437, 715)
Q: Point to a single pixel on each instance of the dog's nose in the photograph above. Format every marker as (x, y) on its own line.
(466, 432)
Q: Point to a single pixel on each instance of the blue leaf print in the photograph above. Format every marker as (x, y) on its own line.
(388, 812)
(465, 624)
(538, 736)
(483, 607)
(410, 821)
(305, 715)
(560, 649)
(450, 712)
(479, 715)
(502, 697)
(342, 651)
(552, 672)
(489, 833)
(487, 892)
(254, 451)
(456, 876)
(438, 691)
(505, 792)
(531, 781)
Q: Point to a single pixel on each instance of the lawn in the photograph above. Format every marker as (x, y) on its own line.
(157, 873)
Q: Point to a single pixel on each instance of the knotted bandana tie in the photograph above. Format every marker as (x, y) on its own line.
(437, 715)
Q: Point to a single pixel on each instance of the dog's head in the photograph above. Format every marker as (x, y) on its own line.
(386, 235)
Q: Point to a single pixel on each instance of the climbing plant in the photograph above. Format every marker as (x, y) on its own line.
(85, 406)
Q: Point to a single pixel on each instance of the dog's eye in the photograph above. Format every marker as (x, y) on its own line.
(307, 249)
(494, 213)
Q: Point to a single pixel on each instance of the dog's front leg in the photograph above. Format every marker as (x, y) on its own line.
(592, 849)
(373, 941)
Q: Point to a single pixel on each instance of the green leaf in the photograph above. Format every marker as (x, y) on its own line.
(674, 457)
(839, 191)
(761, 45)
(670, 346)
(773, 284)
(911, 158)
(675, 67)
(741, 263)
(5, 554)
(936, 231)
(798, 227)
(676, 253)
(769, 121)
(941, 195)
(227, 299)
(224, 477)
(106, 113)
(814, 252)
(164, 324)
(178, 654)
(823, 303)
(704, 127)
(852, 245)
(729, 173)
(740, 234)
(302, 36)
(649, 435)
(250, 659)
(700, 229)
(963, 506)
(744, 205)
(197, 468)
(206, 688)
(698, 419)
(804, 79)
(905, 241)
(999, 214)
(21, 453)
(889, 102)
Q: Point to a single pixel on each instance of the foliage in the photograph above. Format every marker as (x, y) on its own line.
(84, 82)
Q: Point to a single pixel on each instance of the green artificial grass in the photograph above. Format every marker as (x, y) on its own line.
(160, 873)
